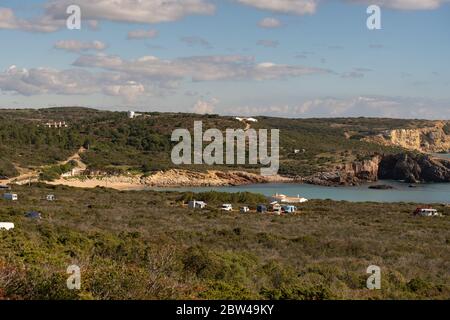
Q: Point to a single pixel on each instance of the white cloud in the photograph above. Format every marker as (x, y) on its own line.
(77, 46)
(197, 68)
(404, 4)
(367, 106)
(269, 23)
(299, 7)
(205, 107)
(193, 41)
(8, 20)
(136, 11)
(142, 34)
(268, 43)
(133, 11)
(37, 81)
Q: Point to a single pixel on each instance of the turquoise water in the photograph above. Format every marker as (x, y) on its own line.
(422, 193)
(442, 155)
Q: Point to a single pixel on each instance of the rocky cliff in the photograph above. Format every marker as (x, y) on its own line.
(408, 167)
(353, 173)
(429, 139)
(414, 168)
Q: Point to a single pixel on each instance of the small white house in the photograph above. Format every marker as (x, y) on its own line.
(194, 204)
(131, 114)
(6, 225)
(50, 197)
(10, 196)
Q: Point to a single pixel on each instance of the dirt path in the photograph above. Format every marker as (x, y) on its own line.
(27, 175)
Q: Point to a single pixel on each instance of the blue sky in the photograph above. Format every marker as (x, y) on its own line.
(316, 58)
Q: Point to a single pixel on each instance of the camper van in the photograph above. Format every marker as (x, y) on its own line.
(244, 209)
(426, 212)
(6, 225)
(194, 204)
(227, 207)
(10, 196)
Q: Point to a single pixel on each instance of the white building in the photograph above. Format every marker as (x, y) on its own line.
(285, 199)
(6, 225)
(56, 124)
(50, 197)
(246, 119)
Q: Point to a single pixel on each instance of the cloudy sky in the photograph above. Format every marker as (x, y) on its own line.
(290, 58)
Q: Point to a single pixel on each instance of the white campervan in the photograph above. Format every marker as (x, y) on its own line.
(10, 196)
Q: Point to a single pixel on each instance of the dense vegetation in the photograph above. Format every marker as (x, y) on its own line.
(116, 143)
(148, 245)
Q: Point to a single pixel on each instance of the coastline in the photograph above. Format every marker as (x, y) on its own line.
(172, 179)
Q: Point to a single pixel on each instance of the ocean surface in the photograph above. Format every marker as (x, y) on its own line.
(402, 192)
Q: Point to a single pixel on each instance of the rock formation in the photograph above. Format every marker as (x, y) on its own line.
(429, 139)
(413, 168)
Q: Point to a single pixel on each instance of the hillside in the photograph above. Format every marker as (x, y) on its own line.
(114, 144)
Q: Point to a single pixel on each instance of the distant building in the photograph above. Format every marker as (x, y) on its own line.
(133, 114)
(56, 124)
(246, 119)
(50, 197)
(285, 199)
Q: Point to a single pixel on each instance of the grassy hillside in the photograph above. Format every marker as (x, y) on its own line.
(116, 143)
(146, 245)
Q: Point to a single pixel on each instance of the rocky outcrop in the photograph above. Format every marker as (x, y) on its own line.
(175, 178)
(413, 168)
(353, 173)
(428, 139)
(408, 167)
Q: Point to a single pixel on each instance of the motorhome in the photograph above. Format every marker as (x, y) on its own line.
(10, 196)
(227, 207)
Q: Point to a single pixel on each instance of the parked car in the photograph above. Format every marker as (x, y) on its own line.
(226, 207)
(244, 209)
(261, 208)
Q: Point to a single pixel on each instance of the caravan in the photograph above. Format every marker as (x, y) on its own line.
(10, 196)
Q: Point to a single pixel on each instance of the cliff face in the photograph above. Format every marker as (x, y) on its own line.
(430, 139)
(408, 167)
(353, 173)
(414, 168)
